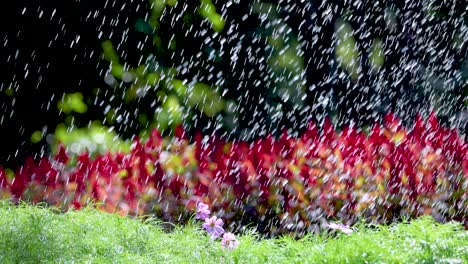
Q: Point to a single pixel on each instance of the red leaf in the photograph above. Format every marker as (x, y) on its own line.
(62, 156)
(3, 178)
(180, 133)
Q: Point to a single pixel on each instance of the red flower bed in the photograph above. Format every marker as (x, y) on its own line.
(284, 184)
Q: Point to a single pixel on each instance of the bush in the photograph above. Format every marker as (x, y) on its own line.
(280, 185)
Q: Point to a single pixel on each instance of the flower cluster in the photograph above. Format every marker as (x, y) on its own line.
(214, 227)
(202, 211)
(284, 184)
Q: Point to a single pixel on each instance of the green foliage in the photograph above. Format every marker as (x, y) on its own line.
(72, 102)
(208, 10)
(377, 57)
(109, 52)
(36, 136)
(286, 59)
(96, 139)
(346, 52)
(34, 235)
(176, 100)
(9, 91)
(172, 112)
(205, 99)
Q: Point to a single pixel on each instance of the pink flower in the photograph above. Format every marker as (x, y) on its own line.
(214, 226)
(202, 211)
(229, 241)
(343, 228)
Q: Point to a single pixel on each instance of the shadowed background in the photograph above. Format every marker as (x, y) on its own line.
(235, 68)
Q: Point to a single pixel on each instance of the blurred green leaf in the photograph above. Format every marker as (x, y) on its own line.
(376, 56)
(96, 139)
(179, 87)
(72, 103)
(109, 52)
(9, 91)
(36, 136)
(153, 78)
(208, 10)
(346, 52)
(162, 120)
(172, 107)
(205, 99)
(143, 27)
(117, 70)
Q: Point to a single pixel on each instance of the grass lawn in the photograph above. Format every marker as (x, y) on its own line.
(31, 234)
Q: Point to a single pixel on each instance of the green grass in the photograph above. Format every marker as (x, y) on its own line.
(31, 234)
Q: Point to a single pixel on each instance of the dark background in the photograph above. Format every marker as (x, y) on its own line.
(44, 56)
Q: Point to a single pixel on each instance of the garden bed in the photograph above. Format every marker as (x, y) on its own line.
(280, 185)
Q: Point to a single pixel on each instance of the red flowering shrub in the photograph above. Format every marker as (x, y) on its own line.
(284, 184)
